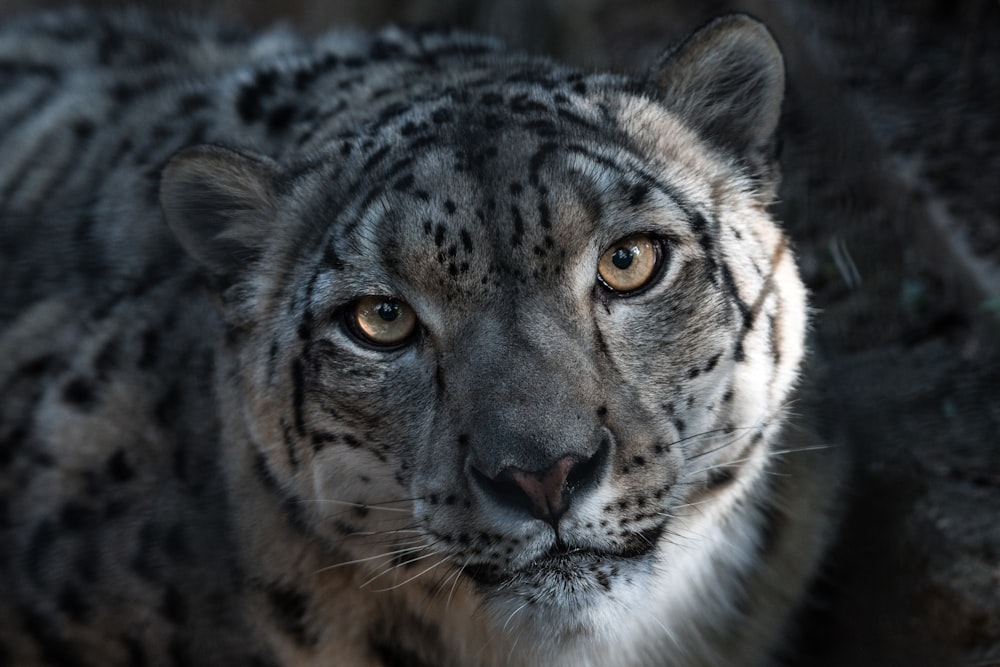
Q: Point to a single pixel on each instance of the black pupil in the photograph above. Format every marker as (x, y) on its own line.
(622, 258)
(388, 311)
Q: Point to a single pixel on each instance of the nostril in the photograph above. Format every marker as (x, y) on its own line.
(588, 473)
(504, 489)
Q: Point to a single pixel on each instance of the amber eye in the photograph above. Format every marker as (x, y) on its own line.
(630, 263)
(382, 320)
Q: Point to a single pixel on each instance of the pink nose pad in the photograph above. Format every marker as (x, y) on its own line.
(546, 491)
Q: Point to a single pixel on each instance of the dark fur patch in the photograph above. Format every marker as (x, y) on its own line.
(144, 561)
(80, 393)
(55, 649)
(719, 477)
(174, 606)
(771, 529)
(118, 468)
(134, 652)
(298, 395)
(386, 645)
(290, 608)
(73, 603)
(75, 516)
(40, 547)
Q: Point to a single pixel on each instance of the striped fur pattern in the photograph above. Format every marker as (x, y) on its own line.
(204, 460)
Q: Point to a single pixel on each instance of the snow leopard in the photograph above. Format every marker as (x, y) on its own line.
(396, 348)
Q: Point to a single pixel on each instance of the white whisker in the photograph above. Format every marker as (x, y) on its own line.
(417, 575)
(371, 558)
(396, 566)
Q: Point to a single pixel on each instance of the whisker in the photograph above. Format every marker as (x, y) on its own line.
(396, 566)
(392, 531)
(419, 574)
(385, 554)
(779, 452)
(706, 434)
(728, 431)
(454, 584)
(513, 614)
(364, 506)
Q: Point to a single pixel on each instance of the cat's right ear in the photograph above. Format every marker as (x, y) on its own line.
(727, 81)
(219, 203)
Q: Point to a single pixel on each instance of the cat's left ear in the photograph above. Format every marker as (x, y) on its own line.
(727, 80)
(220, 205)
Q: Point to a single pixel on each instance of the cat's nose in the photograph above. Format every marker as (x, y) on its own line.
(545, 494)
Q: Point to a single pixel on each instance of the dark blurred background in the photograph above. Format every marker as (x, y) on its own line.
(891, 192)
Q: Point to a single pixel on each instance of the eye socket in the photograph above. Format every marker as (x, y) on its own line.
(631, 263)
(381, 320)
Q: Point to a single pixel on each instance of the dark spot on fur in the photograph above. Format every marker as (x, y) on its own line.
(718, 477)
(638, 194)
(180, 462)
(403, 183)
(55, 650)
(288, 438)
(264, 475)
(79, 392)
(180, 652)
(88, 561)
(174, 606)
(249, 101)
(107, 359)
(298, 394)
(176, 543)
(515, 213)
(545, 220)
(351, 441)
(118, 468)
(135, 653)
(321, 439)
(693, 373)
(712, 363)
(144, 562)
(73, 604)
(75, 516)
(728, 396)
(771, 528)
(168, 410)
(191, 103)
(40, 546)
(290, 607)
(305, 328)
(148, 350)
(280, 118)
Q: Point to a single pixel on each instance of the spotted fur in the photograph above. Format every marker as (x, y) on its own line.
(202, 462)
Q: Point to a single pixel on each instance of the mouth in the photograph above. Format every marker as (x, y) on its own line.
(564, 562)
